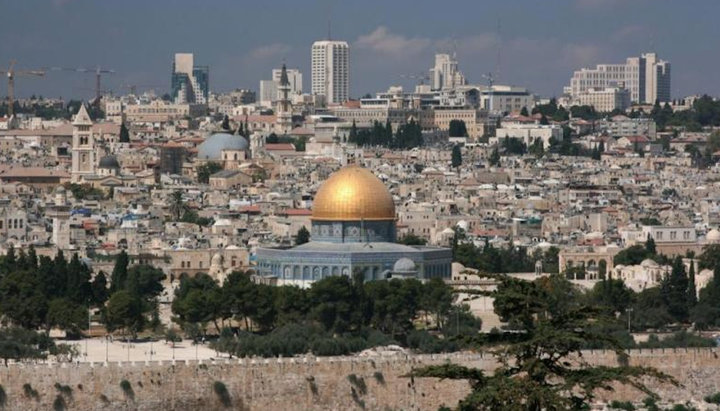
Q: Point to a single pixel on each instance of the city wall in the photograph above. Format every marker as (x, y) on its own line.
(328, 383)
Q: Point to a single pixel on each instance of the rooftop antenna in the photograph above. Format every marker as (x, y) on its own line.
(496, 76)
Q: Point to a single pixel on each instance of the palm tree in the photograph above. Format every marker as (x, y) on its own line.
(177, 204)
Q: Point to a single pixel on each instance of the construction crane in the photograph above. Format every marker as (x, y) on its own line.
(11, 73)
(98, 74)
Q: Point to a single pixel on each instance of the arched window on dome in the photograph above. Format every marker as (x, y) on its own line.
(306, 273)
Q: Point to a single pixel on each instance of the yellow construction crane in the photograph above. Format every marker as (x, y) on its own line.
(11, 73)
(97, 71)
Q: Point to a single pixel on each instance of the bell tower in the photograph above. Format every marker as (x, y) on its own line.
(83, 146)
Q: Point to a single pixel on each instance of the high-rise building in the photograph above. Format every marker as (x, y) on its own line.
(268, 92)
(445, 75)
(190, 83)
(331, 70)
(270, 89)
(646, 77)
(294, 78)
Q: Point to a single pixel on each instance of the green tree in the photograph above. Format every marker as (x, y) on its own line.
(457, 128)
(436, 299)
(710, 257)
(456, 156)
(68, 316)
(650, 246)
(99, 289)
(674, 291)
(176, 205)
(337, 304)
(205, 170)
(118, 278)
(494, 159)
(691, 289)
(124, 133)
(536, 369)
(198, 300)
(20, 344)
(612, 294)
(412, 239)
(303, 236)
(124, 311)
(22, 300)
(632, 255)
(240, 296)
(537, 149)
(225, 123)
(524, 112)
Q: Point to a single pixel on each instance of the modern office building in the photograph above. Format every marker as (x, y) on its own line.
(294, 77)
(646, 77)
(353, 231)
(445, 75)
(189, 83)
(330, 61)
(605, 99)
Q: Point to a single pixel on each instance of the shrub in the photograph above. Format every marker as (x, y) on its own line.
(127, 389)
(59, 403)
(713, 399)
(222, 393)
(622, 405)
(105, 400)
(356, 398)
(379, 377)
(3, 397)
(30, 392)
(65, 390)
(313, 386)
(358, 382)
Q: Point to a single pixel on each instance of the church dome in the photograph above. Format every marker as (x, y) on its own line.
(353, 193)
(212, 147)
(648, 263)
(404, 265)
(109, 162)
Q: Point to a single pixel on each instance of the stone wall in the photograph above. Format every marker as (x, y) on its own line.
(330, 383)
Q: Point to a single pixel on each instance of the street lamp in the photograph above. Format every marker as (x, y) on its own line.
(629, 313)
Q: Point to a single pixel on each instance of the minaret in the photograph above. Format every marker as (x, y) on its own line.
(284, 110)
(60, 214)
(83, 146)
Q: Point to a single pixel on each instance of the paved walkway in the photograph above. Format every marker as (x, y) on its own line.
(100, 350)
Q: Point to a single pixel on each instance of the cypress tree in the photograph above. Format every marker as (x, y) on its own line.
(119, 275)
(691, 290)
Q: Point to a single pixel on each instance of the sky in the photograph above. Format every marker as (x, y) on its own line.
(530, 43)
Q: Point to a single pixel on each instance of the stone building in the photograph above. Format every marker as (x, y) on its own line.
(353, 230)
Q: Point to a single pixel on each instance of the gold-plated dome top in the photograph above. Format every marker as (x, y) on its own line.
(353, 193)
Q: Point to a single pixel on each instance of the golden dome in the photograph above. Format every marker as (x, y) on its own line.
(353, 193)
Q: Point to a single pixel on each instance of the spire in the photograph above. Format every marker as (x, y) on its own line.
(284, 77)
(82, 118)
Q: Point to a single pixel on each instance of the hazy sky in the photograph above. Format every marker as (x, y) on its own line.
(540, 42)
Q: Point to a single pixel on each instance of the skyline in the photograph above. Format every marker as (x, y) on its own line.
(242, 43)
